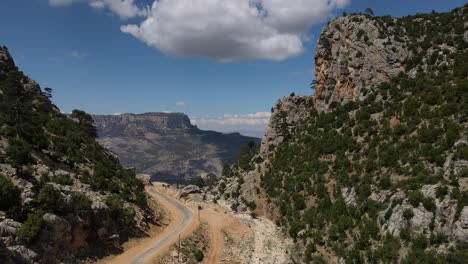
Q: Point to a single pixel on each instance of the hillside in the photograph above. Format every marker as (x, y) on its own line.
(166, 145)
(372, 168)
(64, 197)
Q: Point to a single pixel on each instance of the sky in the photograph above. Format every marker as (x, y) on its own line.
(224, 63)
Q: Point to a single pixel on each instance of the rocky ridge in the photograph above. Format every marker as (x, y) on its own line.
(381, 84)
(57, 205)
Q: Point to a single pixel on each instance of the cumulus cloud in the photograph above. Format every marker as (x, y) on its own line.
(232, 30)
(180, 104)
(123, 8)
(248, 124)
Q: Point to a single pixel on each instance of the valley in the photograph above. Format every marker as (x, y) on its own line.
(370, 167)
(167, 146)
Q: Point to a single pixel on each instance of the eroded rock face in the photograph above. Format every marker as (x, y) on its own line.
(287, 113)
(355, 53)
(442, 220)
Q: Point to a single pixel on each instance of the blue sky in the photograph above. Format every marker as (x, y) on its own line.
(80, 49)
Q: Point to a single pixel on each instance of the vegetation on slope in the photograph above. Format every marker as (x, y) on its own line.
(398, 138)
(35, 135)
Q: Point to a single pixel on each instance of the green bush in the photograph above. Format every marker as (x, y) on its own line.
(63, 180)
(199, 256)
(31, 227)
(429, 204)
(141, 200)
(9, 193)
(408, 214)
(19, 151)
(50, 199)
(415, 197)
(81, 203)
(116, 206)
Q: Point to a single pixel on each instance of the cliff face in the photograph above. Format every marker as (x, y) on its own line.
(125, 123)
(354, 54)
(166, 145)
(56, 181)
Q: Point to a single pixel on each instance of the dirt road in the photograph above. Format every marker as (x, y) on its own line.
(182, 222)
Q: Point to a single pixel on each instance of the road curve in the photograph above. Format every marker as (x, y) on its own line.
(187, 217)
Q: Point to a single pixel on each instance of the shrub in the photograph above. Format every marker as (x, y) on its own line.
(416, 197)
(441, 192)
(19, 151)
(141, 200)
(114, 202)
(31, 227)
(50, 198)
(420, 242)
(429, 204)
(199, 256)
(9, 193)
(63, 180)
(116, 206)
(81, 203)
(408, 213)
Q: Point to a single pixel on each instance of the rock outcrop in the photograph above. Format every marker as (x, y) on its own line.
(355, 53)
(286, 114)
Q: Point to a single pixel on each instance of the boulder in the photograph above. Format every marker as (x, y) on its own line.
(23, 254)
(189, 189)
(9, 227)
(349, 195)
(145, 178)
(460, 231)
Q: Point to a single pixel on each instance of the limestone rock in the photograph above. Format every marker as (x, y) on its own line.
(287, 113)
(460, 231)
(355, 53)
(189, 190)
(9, 227)
(145, 178)
(349, 195)
(23, 254)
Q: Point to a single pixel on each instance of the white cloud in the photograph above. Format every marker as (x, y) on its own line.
(180, 104)
(63, 2)
(77, 54)
(123, 8)
(232, 30)
(251, 124)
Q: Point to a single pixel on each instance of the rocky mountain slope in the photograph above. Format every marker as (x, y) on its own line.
(374, 166)
(166, 145)
(64, 198)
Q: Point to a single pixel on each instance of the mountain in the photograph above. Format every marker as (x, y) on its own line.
(373, 167)
(64, 198)
(166, 145)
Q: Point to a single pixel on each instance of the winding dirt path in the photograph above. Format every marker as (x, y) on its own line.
(182, 222)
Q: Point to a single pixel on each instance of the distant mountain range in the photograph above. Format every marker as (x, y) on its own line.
(166, 145)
